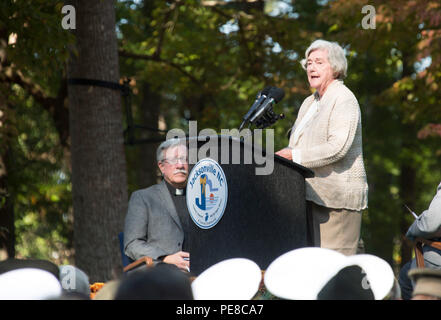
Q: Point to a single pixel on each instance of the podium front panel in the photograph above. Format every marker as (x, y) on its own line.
(265, 216)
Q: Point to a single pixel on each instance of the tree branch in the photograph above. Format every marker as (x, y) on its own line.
(213, 3)
(163, 28)
(126, 54)
(54, 105)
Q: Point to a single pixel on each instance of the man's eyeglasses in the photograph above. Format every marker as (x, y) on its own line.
(173, 161)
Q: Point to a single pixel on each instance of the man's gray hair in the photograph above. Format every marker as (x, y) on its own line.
(168, 144)
(336, 56)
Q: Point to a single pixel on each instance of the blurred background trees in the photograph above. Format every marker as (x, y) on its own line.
(206, 61)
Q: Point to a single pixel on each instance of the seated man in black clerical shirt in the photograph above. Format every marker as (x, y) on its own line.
(157, 218)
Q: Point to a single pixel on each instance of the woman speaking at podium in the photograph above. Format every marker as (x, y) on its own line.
(326, 137)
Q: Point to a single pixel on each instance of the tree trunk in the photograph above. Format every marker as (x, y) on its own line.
(99, 182)
(148, 168)
(7, 229)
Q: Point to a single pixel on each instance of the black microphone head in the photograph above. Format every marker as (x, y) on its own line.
(266, 90)
(277, 94)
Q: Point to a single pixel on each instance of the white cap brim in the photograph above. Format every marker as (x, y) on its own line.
(300, 274)
(232, 279)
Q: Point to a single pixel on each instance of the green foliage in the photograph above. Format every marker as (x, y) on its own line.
(38, 179)
(40, 50)
(40, 185)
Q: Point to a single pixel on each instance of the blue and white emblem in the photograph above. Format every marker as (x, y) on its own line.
(207, 193)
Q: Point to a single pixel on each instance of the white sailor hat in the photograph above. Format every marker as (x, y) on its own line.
(318, 273)
(29, 284)
(231, 279)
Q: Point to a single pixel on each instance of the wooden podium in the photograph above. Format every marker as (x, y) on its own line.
(265, 215)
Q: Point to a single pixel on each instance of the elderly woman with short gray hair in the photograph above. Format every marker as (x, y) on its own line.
(326, 137)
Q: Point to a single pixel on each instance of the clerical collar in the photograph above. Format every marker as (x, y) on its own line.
(175, 191)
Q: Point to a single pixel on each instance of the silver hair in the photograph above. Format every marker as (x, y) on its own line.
(336, 56)
(168, 144)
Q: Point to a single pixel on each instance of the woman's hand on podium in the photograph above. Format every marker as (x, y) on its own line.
(285, 153)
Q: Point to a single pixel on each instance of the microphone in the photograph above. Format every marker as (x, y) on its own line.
(261, 96)
(274, 96)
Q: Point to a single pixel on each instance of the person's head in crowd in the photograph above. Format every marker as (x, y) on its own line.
(427, 283)
(347, 284)
(74, 280)
(162, 282)
(14, 264)
(324, 62)
(172, 158)
(29, 284)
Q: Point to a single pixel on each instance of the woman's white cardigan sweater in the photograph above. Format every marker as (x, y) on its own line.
(330, 144)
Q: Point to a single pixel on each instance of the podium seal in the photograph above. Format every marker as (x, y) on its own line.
(207, 193)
